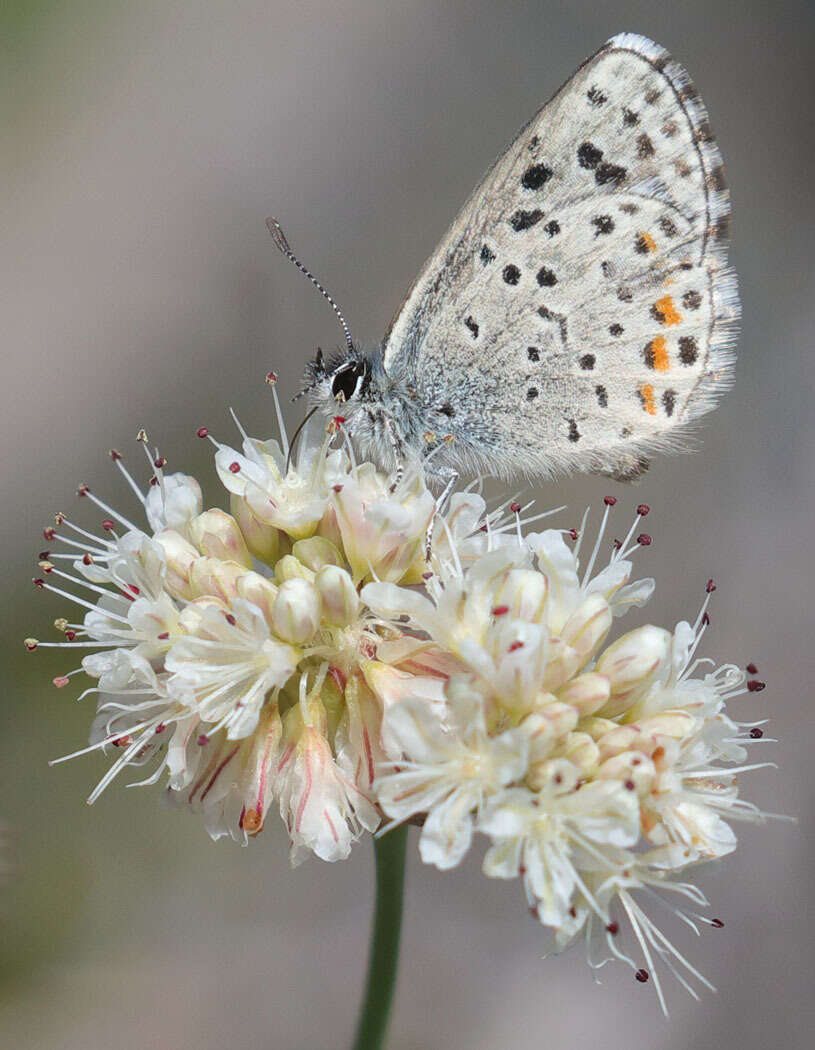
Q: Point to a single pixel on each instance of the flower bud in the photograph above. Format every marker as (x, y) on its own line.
(561, 717)
(620, 739)
(217, 535)
(262, 540)
(633, 768)
(581, 751)
(588, 626)
(316, 552)
(674, 724)
(561, 663)
(339, 597)
(630, 664)
(296, 611)
(191, 619)
(649, 734)
(597, 728)
(179, 557)
(555, 776)
(540, 736)
(587, 693)
(260, 591)
(289, 568)
(211, 576)
(524, 592)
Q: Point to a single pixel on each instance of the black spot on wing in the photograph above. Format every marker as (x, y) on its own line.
(588, 155)
(691, 300)
(472, 325)
(486, 256)
(525, 220)
(587, 362)
(645, 147)
(669, 401)
(609, 173)
(536, 176)
(531, 393)
(616, 329)
(595, 96)
(630, 118)
(688, 350)
(574, 433)
(546, 277)
(533, 353)
(552, 228)
(602, 224)
(602, 396)
(511, 274)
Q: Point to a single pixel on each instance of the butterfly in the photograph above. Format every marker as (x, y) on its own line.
(579, 314)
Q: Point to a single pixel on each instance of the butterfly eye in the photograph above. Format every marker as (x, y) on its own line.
(345, 382)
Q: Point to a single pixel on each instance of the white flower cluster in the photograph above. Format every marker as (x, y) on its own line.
(594, 771)
(343, 645)
(228, 648)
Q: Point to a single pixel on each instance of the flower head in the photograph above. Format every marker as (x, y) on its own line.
(230, 650)
(343, 645)
(597, 771)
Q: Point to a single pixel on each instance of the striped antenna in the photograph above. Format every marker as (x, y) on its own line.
(279, 237)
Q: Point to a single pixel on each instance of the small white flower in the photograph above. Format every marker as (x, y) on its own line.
(453, 767)
(322, 807)
(228, 660)
(383, 532)
(543, 836)
(291, 496)
(173, 503)
(230, 781)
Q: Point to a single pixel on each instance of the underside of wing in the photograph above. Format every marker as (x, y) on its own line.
(580, 308)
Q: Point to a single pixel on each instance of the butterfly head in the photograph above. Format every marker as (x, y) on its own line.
(344, 379)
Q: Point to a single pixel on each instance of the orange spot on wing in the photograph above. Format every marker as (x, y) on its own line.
(646, 393)
(667, 311)
(649, 242)
(659, 348)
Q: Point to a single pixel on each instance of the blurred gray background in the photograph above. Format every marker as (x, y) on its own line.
(144, 145)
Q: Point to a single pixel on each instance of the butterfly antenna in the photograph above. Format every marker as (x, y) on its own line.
(279, 237)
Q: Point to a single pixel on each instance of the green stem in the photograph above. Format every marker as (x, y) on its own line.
(383, 959)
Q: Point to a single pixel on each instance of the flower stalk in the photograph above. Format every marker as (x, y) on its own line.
(383, 959)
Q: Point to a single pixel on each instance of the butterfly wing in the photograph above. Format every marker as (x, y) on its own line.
(580, 308)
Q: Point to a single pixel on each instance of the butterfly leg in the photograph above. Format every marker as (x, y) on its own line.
(397, 447)
(440, 502)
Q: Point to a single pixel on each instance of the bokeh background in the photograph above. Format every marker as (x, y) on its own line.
(144, 143)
